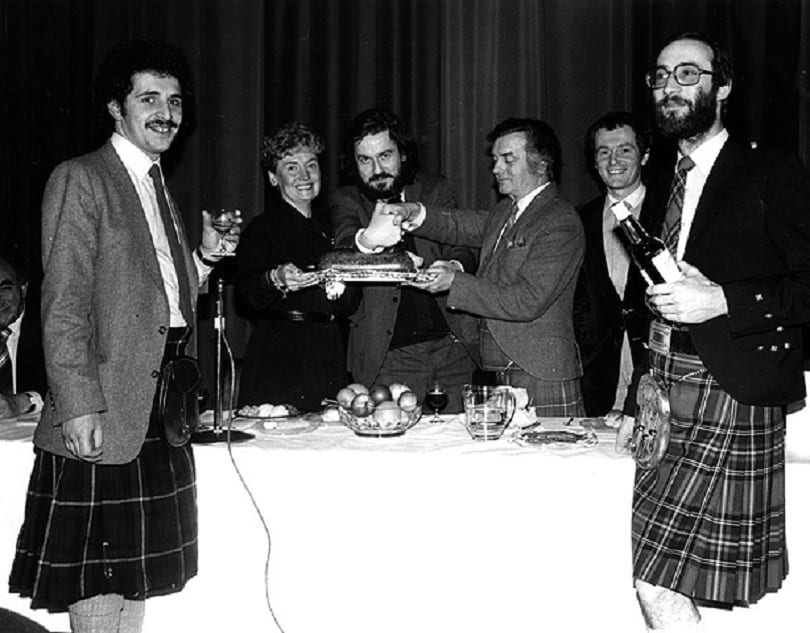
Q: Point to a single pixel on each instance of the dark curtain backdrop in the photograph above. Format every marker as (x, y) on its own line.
(450, 68)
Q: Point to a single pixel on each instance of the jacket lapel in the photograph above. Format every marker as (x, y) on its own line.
(133, 212)
(714, 190)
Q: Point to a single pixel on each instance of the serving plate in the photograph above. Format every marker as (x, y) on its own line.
(376, 276)
(292, 425)
(563, 439)
(247, 412)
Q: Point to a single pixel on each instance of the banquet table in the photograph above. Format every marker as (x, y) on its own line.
(428, 532)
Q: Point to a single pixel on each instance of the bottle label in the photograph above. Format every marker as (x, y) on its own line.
(666, 265)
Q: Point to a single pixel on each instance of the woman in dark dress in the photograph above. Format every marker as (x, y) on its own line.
(296, 353)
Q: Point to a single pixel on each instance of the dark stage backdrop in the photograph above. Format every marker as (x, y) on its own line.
(450, 68)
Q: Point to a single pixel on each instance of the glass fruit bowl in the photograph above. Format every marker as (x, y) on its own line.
(384, 421)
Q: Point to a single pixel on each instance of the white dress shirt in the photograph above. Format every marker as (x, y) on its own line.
(137, 165)
(704, 157)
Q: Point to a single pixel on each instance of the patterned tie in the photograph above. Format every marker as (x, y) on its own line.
(671, 230)
(5, 363)
(174, 245)
(510, 222)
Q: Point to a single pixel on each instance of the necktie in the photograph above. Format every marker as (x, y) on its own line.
(510, 222)
(174, 245)
(671, 230)
(5, 363)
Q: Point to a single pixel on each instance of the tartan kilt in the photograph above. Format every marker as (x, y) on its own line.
(709, 522)
(94, 529)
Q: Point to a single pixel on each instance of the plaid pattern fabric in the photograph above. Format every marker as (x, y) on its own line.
(671, 230)
(709, 522)
(92, 529)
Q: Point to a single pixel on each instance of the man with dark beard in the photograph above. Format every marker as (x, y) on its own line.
(725, 350)
(399, 334)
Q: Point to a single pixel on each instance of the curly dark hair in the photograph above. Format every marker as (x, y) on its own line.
(542, 144)
(114, 77)
(374, 121)
(286, 140)
(611, 121)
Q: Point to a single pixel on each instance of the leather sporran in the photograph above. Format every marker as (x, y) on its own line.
(651, 431)
(178, 406)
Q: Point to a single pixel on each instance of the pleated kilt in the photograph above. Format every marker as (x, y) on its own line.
(709, 522)
(91, 529)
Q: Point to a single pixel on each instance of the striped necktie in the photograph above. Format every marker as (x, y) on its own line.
(174, 245)
(671, 230)
(5, 363)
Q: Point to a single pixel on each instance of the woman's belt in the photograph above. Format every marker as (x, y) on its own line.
(298, 315)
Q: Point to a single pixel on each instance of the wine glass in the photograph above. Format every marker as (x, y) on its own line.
(436, 399)
(222, 221)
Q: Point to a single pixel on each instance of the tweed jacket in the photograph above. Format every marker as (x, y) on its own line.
(104, 305)
(372, 325)
(525, 288)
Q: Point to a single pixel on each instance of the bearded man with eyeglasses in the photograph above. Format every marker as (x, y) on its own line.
(725, 346)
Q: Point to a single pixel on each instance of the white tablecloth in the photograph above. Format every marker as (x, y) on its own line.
(430, 532)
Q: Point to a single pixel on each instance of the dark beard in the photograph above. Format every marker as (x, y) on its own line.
(698, 119)
(374, 194)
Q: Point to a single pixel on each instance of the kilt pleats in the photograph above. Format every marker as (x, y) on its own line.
(91, 529)
(709, 522)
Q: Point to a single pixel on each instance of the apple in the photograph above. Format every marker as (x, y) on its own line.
(358, 388)
(380, 393)
(345, 397)
(387, 414)
(362, 406)
(408, 401)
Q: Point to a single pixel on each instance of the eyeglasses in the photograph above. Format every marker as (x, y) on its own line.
(685, 75)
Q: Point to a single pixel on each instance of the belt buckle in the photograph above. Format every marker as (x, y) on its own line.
(660, 336)
(652, 428)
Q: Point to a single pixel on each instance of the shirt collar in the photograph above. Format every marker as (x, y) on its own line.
(526, 200)
(133, 158)
(706, 153)
(634, 198)
(16, 324)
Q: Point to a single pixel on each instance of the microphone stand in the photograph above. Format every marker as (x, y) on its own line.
(220, 433)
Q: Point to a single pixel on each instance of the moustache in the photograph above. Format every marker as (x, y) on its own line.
(673, 100)
(168, 123)
(380, 176)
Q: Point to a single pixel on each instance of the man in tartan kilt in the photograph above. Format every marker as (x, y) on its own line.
(111, 516)
(709, 519)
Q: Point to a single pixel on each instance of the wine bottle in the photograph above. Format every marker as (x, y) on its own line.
(648, 252)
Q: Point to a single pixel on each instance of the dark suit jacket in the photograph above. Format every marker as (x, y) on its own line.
(104, 305)
(525, 289)
(601, 317)
(371, 327)
(751, 235)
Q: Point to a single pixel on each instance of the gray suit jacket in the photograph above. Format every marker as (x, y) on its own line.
(525, 288)
(104, 305)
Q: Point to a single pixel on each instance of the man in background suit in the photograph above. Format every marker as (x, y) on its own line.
(22, 368)
(399, 334)
(532, 246)
(709, 520)
(111, 516)
(610, 318)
